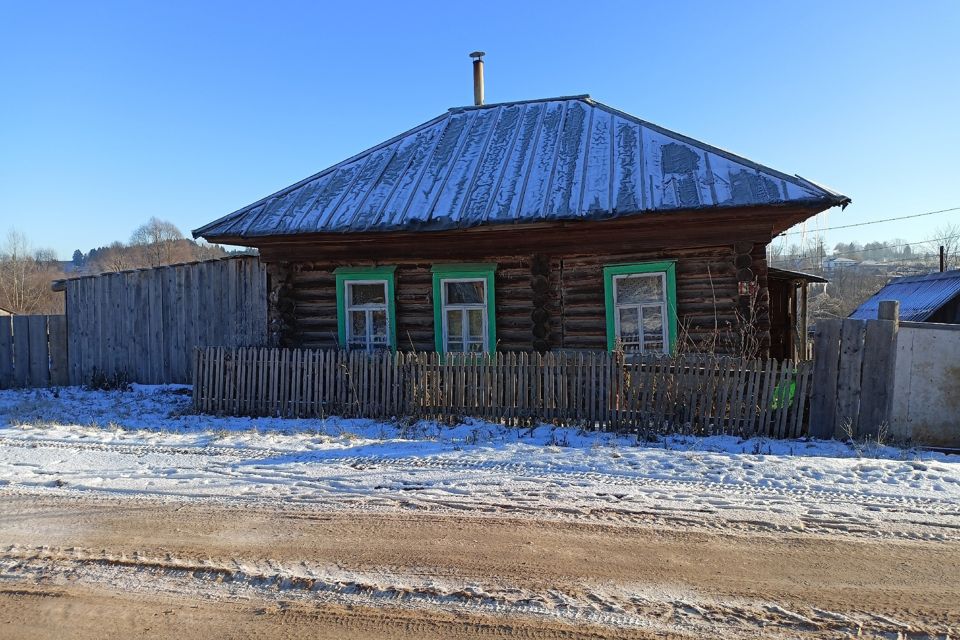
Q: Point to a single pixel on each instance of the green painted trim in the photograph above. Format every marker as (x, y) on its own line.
(668, 267)
(464, 267)
(464, 270)
(346, 274)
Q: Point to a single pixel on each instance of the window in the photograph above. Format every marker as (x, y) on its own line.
(366, 317)
(641, 303)
(464, 310)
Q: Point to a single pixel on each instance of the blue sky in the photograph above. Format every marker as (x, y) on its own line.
(111, 113)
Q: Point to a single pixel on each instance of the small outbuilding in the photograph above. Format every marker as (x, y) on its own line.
(554, 224)
(931, 298)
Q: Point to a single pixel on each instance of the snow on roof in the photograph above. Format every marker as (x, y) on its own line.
(553, 159)
(919, 296)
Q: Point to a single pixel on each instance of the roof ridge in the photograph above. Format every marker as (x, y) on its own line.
(583, 96)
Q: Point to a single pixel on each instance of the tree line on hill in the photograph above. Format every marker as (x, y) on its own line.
(26, 271)
(876, 263)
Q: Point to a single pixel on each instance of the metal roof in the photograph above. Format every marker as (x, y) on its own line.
(919, 296)
(553, 159)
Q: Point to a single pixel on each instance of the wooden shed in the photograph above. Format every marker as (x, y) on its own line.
(537, 225)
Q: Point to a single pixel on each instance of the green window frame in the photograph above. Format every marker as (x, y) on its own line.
(669, 270)
(359, 274)
(444, 272)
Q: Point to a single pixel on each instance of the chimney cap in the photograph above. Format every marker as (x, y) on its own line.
(478, 54)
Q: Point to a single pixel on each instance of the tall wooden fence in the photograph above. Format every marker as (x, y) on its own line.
(701, 394)
(145, 324)
(854, 370)
(33, 351)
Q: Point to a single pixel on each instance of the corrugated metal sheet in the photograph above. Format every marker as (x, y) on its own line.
(555, 159)
(919, 296)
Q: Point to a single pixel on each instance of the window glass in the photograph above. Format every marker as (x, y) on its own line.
(379, 325)
(358, 323)
(640, 288)
(629, 325)
(367, 315)
(465, 292)
(640, 311)
(455, 323)
(367, 293)
(464, 318)
(476, 323)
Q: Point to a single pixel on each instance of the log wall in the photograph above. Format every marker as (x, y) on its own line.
(543, 302)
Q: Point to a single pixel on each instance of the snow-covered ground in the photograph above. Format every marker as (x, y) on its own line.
(146, 443)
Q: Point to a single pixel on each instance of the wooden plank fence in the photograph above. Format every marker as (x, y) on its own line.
(696, 394)
(33, 351)
(143, 325)
(854, 369)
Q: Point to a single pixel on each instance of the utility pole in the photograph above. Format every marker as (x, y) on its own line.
(943, 259)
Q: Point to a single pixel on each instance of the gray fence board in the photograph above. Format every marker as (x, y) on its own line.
(849, 377)
(6, 352)
(21, 351)
(145, 324)
(39, 354)
(826, 362)
(59, 371)
(879, 356)
(29, 356)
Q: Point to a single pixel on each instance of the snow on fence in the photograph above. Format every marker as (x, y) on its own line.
(704, 394)
(33, 351)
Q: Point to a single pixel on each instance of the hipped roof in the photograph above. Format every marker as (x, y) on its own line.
(555, 159)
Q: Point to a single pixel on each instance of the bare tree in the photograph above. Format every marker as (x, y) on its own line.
(25, 276)
(158, 239)
(948, 237)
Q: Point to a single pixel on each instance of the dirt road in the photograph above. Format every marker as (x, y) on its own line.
(134, 568)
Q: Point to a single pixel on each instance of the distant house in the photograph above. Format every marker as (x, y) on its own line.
(929, 298)
(553, 224)
(832, 264)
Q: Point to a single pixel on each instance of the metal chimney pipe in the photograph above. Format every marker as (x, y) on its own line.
(477, 77)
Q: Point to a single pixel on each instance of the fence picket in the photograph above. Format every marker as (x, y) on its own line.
(705, 394)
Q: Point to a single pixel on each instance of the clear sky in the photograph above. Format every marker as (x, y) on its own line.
(111, 113)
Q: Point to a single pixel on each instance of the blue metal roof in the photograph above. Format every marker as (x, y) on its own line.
(919, 296)
(554, 159)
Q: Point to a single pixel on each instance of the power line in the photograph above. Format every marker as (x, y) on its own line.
(863, 224)
(890, 246)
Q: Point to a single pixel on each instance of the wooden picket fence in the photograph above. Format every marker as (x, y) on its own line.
(649, 394)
